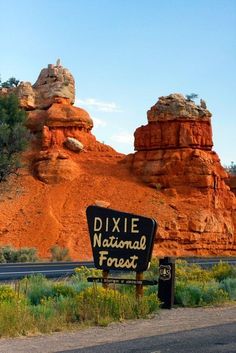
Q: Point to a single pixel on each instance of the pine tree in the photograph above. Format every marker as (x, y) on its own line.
(11, 82)
(13, 135)
(191, 97)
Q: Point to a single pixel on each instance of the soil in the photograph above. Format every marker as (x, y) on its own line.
(35, 214)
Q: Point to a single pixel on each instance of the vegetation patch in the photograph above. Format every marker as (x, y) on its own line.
(38, 305)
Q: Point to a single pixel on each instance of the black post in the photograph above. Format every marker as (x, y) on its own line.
(166, 283)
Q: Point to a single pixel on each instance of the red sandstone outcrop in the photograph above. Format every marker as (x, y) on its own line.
(53, 120)
(175, 148)
(174, 154)
(232, 183)
(195, 210)
(53, 82)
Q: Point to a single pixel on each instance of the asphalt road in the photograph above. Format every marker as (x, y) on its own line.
(213, 339)
(14, 271)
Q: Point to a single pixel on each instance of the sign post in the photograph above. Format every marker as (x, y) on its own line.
(139, 287)
(166, 283)
(105, 276)
(121, 241)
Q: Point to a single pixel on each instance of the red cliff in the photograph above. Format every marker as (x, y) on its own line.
(67, 169)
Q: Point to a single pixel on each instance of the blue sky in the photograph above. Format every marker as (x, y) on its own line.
(124, 54)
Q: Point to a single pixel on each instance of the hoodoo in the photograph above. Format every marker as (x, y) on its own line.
(54, 121)
(174, 154)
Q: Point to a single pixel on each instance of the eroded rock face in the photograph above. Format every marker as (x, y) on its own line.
(53, 82)
(26, 95)
(53, 120)
(232, 183)
(174, 122)
(55, 167)
(174, 155)
(175, 148)
(176, 107)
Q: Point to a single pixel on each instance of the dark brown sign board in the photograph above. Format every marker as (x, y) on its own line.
(120, 241)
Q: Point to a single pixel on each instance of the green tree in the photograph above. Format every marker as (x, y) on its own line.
(232, 168)
(191, 97)
(11, 82)
(13, 135)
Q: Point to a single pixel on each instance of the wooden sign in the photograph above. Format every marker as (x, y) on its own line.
(120, 241)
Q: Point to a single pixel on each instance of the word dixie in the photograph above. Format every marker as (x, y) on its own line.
(116, 224)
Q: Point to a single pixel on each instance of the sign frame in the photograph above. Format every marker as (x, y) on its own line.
(120, 240)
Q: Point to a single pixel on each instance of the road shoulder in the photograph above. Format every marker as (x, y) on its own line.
(167, 321)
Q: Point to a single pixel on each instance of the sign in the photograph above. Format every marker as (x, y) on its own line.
(165, 272)
(121, 281)
(120, 241)
(166, 283)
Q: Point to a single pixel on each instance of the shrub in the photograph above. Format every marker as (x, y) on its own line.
(2, 258)
(8, 254)
(187, 294)
(83, 272)
(229, 286)
(223, 270)
(63, 290)
(100, 306)
(186, 272)
(199, 294)
(7, 294)
(47, 317)
(36, 288)
(59, 253)
(15, 318)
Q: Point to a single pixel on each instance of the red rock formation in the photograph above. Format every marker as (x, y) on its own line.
(192, 204)
(174, 154)
(174, 149)
(53, 119)
(232, 183)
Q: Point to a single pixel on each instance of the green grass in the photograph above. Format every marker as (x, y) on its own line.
(48, 306)
(201, 287)
(38, 305)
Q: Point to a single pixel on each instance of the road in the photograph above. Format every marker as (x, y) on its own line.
(214, 339)
(13, 271)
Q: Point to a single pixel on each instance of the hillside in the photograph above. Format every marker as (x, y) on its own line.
(174, 176)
